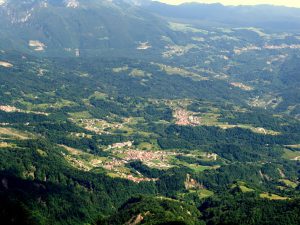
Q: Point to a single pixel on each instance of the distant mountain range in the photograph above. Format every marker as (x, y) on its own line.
(116, 27)
(265, 16)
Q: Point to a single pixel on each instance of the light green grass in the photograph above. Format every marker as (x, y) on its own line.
(272, 196)
(145, 146)
(195, 167)
(98, 95)
(289, 183)
(245, 189)
(204, 193)
(294, 146)
(186, 28)
(44, 106)
(81, 115)
(288, 154)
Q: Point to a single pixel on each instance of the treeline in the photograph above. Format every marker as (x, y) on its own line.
(155, 210)
(228, 209)
(249, 209)
(19, 117)
(130, 107)
(262, 118)
(232, 144)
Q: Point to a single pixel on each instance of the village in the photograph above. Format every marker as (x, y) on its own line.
(123, 153)
(242, 86)
(186, 118)
(239, 51)
(98, 126)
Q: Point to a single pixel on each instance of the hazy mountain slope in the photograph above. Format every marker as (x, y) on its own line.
(265, 16)
(92, 27)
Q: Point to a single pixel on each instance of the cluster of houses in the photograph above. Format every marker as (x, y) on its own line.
(185, 118)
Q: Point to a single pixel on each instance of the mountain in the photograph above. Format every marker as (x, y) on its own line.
(274, 18)
(136, 112)
(71, 27)
(147, 210)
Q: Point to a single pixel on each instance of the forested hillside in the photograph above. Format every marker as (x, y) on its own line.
(122, 112)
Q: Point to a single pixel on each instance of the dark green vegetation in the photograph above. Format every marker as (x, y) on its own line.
(111, 113)
(154, 211)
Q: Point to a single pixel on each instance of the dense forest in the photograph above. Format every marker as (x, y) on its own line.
(128, 112)
(45, 181)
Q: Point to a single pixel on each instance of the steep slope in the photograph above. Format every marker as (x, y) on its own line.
(155, 211)
(264, 16)
(77, 27)
(180, 110)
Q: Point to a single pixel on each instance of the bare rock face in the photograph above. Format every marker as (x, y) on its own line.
(135, 220)
(2, 2)
(72, 3)
(191, 183)
(6, 64)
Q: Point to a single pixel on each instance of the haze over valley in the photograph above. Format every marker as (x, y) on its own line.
(141, 112)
